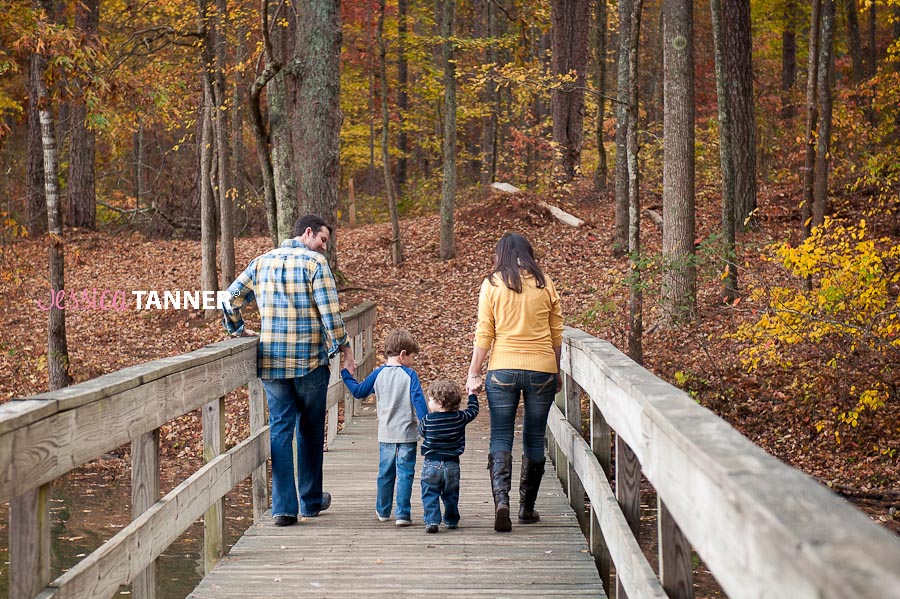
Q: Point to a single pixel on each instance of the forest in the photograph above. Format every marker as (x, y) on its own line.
(736, 165)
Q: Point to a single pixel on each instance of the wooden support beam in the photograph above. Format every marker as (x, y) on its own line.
(572, 394)
(675, 556)
(258, 421)
(600, 445)
(144, 493)
(29, 543)
(628, 494)
(214, 519)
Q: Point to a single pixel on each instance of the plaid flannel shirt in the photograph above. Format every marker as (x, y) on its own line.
(298, 306)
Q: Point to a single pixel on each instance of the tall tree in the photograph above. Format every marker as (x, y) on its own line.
(57, 345)
(726, 161)
(35, 203)
(620, 239)
(636, 294)
(601, 174)
(396, 245)
(491, 99)
(81, 194)
(206, 143)
(788, 58)
(823, 139)
(679, 277)
(223, 146)
(812, 117)
(448, 190)
(739, 70)
(280, 98)
(569, 54)
(871, 47)
(852, 18)
(402, 92)
(317, 115)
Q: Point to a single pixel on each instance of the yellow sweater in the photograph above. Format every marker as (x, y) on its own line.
(522, 328)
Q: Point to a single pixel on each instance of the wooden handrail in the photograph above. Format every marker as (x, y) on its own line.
(762, 528)
(47, 435)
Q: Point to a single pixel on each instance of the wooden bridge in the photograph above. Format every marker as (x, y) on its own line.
(763, 529)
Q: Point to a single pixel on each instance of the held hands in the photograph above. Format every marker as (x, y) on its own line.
(348, 359)
(473, 384)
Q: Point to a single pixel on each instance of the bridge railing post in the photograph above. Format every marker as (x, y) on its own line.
(600, 444)
(144, 493)
(675, 556)
(29, 543)
(628, 493)
(214, 519)
(556, 453)
(572, 396)
(258, 420)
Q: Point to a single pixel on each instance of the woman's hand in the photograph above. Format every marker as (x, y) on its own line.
(558, 382)
(473, 384)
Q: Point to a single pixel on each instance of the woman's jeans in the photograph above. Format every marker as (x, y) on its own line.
(440, 481)
(397, 462)
(504, 388)
(297, 405)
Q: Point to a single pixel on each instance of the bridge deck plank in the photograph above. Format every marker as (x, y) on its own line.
(346, 552)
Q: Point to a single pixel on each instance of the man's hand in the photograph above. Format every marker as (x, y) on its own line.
(348, 359)
(247, 333)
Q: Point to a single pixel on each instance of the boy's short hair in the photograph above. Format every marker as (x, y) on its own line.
(446, 394)
(400, 340)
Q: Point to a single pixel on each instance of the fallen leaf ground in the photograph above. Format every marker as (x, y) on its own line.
(436, 300)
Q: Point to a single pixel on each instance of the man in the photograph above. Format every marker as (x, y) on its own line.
(301, 328)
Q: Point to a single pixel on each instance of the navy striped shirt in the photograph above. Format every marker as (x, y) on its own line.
(444, 433)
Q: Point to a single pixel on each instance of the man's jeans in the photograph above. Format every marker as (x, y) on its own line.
(440, 481)
(397, 463)
(504, 388)
(297, 405)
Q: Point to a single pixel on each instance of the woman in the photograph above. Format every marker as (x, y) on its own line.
(520, 322)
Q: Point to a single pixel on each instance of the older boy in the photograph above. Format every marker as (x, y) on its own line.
(399, 404)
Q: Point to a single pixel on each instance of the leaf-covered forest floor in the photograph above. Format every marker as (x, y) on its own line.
(436, 300)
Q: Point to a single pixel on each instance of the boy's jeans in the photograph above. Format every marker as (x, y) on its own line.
(440, 480)
(297, 406)
(397, 462)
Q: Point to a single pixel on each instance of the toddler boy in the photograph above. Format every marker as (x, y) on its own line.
(443, 432)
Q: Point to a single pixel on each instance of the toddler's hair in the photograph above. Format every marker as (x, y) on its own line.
(400, 340)
(446, 394)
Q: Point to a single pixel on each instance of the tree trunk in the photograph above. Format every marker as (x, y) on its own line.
(448, 191)
(853, 40)
(396, 245)
(402, 93)
(812, 117)
(739, 69)
(317, 117)
(636, 295)
(36, 203)
(370, 179)
(620, 240)
(238, 149)
(280, 92)
(82, 199)
(726, 160)
(823, 139)
(208, 270)
(788, 59)
(679, 277)
(569, 53)
(601, 174)
(491, 99)
(872, 48)
(223, 151)
(272, 68)
(57, 346)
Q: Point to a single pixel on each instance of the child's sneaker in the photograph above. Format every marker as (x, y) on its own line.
(382, 518)
(431, 528)
(404, 522)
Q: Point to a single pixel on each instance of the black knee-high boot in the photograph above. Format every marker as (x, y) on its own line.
(529, 483)
(500, 465)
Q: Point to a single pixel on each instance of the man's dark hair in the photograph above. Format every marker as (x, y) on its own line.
(400, 340)
(446, 394)
(512, 254)
(310, 221)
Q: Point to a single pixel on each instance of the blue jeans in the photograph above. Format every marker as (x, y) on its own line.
(397, 462)
(297, 406)
(504, 389)
(440, 481)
